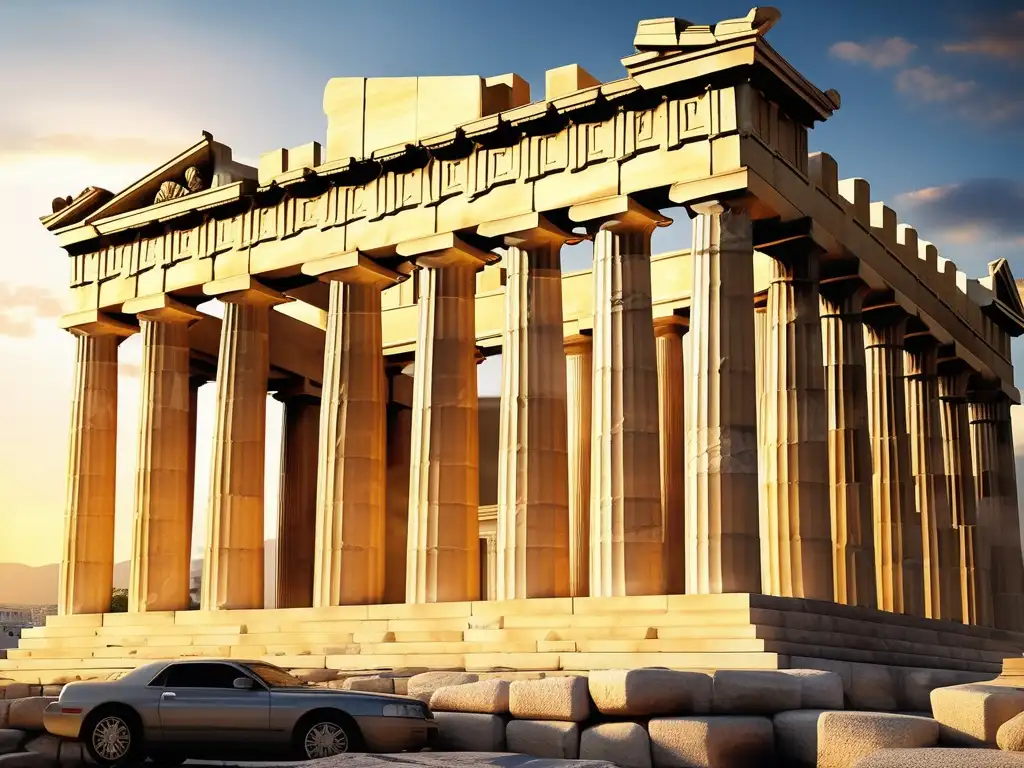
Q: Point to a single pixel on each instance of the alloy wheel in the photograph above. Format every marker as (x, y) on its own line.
(111, 738)
(325, 740)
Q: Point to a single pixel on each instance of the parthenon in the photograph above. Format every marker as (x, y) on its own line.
(807, 412)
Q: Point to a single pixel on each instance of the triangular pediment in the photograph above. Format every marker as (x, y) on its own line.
(205, 164)
(1006, 308)
(71, 210)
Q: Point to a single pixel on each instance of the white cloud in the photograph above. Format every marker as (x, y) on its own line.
(880, 54)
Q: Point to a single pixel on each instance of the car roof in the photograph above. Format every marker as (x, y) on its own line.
(148, 671)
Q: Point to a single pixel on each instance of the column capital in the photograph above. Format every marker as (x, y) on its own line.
(617, 214)
(988, 406)
(671, 325)
(579, 344)
(527, 231)
(298, 390)
(163, 308)
(244, 289)
(445, 250)
(92, 322)
(842, 295)
(954, 377)
(920, 358)
(352, 267)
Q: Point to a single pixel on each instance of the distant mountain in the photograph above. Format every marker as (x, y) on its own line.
(37, 585)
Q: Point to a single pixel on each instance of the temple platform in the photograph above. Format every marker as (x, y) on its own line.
(707, 632)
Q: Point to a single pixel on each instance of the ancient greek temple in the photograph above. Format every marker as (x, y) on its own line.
(801, 424)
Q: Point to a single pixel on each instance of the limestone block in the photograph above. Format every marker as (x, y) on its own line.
(1010, 736)
(916, 685)
(25, 760)
(872, 687)
(46, 745)
(422, 686)
(543, 738)
(315, 675)
(712, 741)
(371, 683)
(845, 737)
(625, 744)
(796, 737)
(485, 697)
(27, 714)
(754, 692)
(52, 690)
(646, 692)
(5, 707)
(470, 732)
(553, 698)
(15, 691)
(11, 740)
(971, 714)
(940, 758)
(818, 689)
(74, 753)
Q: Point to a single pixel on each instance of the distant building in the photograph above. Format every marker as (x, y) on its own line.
(12, 621)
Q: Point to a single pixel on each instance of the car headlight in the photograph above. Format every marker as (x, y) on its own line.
(404, 710)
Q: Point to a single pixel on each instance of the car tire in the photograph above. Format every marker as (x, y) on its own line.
(325, 734)
(113, 737)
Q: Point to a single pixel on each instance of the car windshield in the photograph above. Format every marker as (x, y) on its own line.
(274, 677)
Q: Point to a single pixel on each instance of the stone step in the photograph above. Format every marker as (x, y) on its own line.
(874, 657)
(576, 633)
(170, 630)
(698, 661)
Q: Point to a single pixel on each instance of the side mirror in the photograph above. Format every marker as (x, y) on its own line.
(243, 683)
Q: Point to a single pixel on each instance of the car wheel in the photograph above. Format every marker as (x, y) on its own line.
(112, 738)
(325, 735)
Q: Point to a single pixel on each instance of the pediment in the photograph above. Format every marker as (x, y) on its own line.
(71, 210)
(1006, 306)
(204, 165)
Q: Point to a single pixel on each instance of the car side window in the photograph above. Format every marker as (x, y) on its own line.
(202, 676)
(160, 680)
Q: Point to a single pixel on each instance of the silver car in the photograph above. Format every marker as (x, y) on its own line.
(171, 711)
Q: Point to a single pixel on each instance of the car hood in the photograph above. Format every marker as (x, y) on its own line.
(313, 691)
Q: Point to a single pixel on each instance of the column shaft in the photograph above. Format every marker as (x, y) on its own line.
(941, 575)
(849, 446)
(444, 491)
(233, 566)
(898, 553)
(625, 506)
(722, 526)
(396, 528)
(162, 521)
(975, 606)
(533, 491)
(796, 470)
(87, 566)
(296, 523)
(579, 385)
(763, 520)
(1008, 568)
(350, 517)
(668, 333)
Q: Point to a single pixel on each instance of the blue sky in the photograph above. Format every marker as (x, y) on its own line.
(101, 92)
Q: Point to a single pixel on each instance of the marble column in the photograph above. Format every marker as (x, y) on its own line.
(975, 604)
(722, 516)
(533, 486)
(849, 444)
(941, 574)
(760, 343)
(997, 553)
(296, 522)
(579, 385)
(668, 339)
(898, 555)
(796, 492)
(349, 566)
(164, 490)
(233, 565)
(444, 549)
(87, 564)
(396, 497)
(626, 535)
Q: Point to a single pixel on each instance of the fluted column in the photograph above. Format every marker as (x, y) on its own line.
(763, 520)
(668, 339)
(396, 528)
(941, 573)
(998, 565)
(796, 436)
(579, 385)
(626, 535)
(533, 486)
(444, 471)
(162, 518)
(849, 444)
(975, 597)
(722, 526)
(296, 522)
(233, 565)
(349, 564)
(897, 527)
(87, 564)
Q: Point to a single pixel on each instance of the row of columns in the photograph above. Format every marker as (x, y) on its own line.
(600, 490)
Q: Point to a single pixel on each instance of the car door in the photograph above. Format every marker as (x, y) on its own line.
(200, 705)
